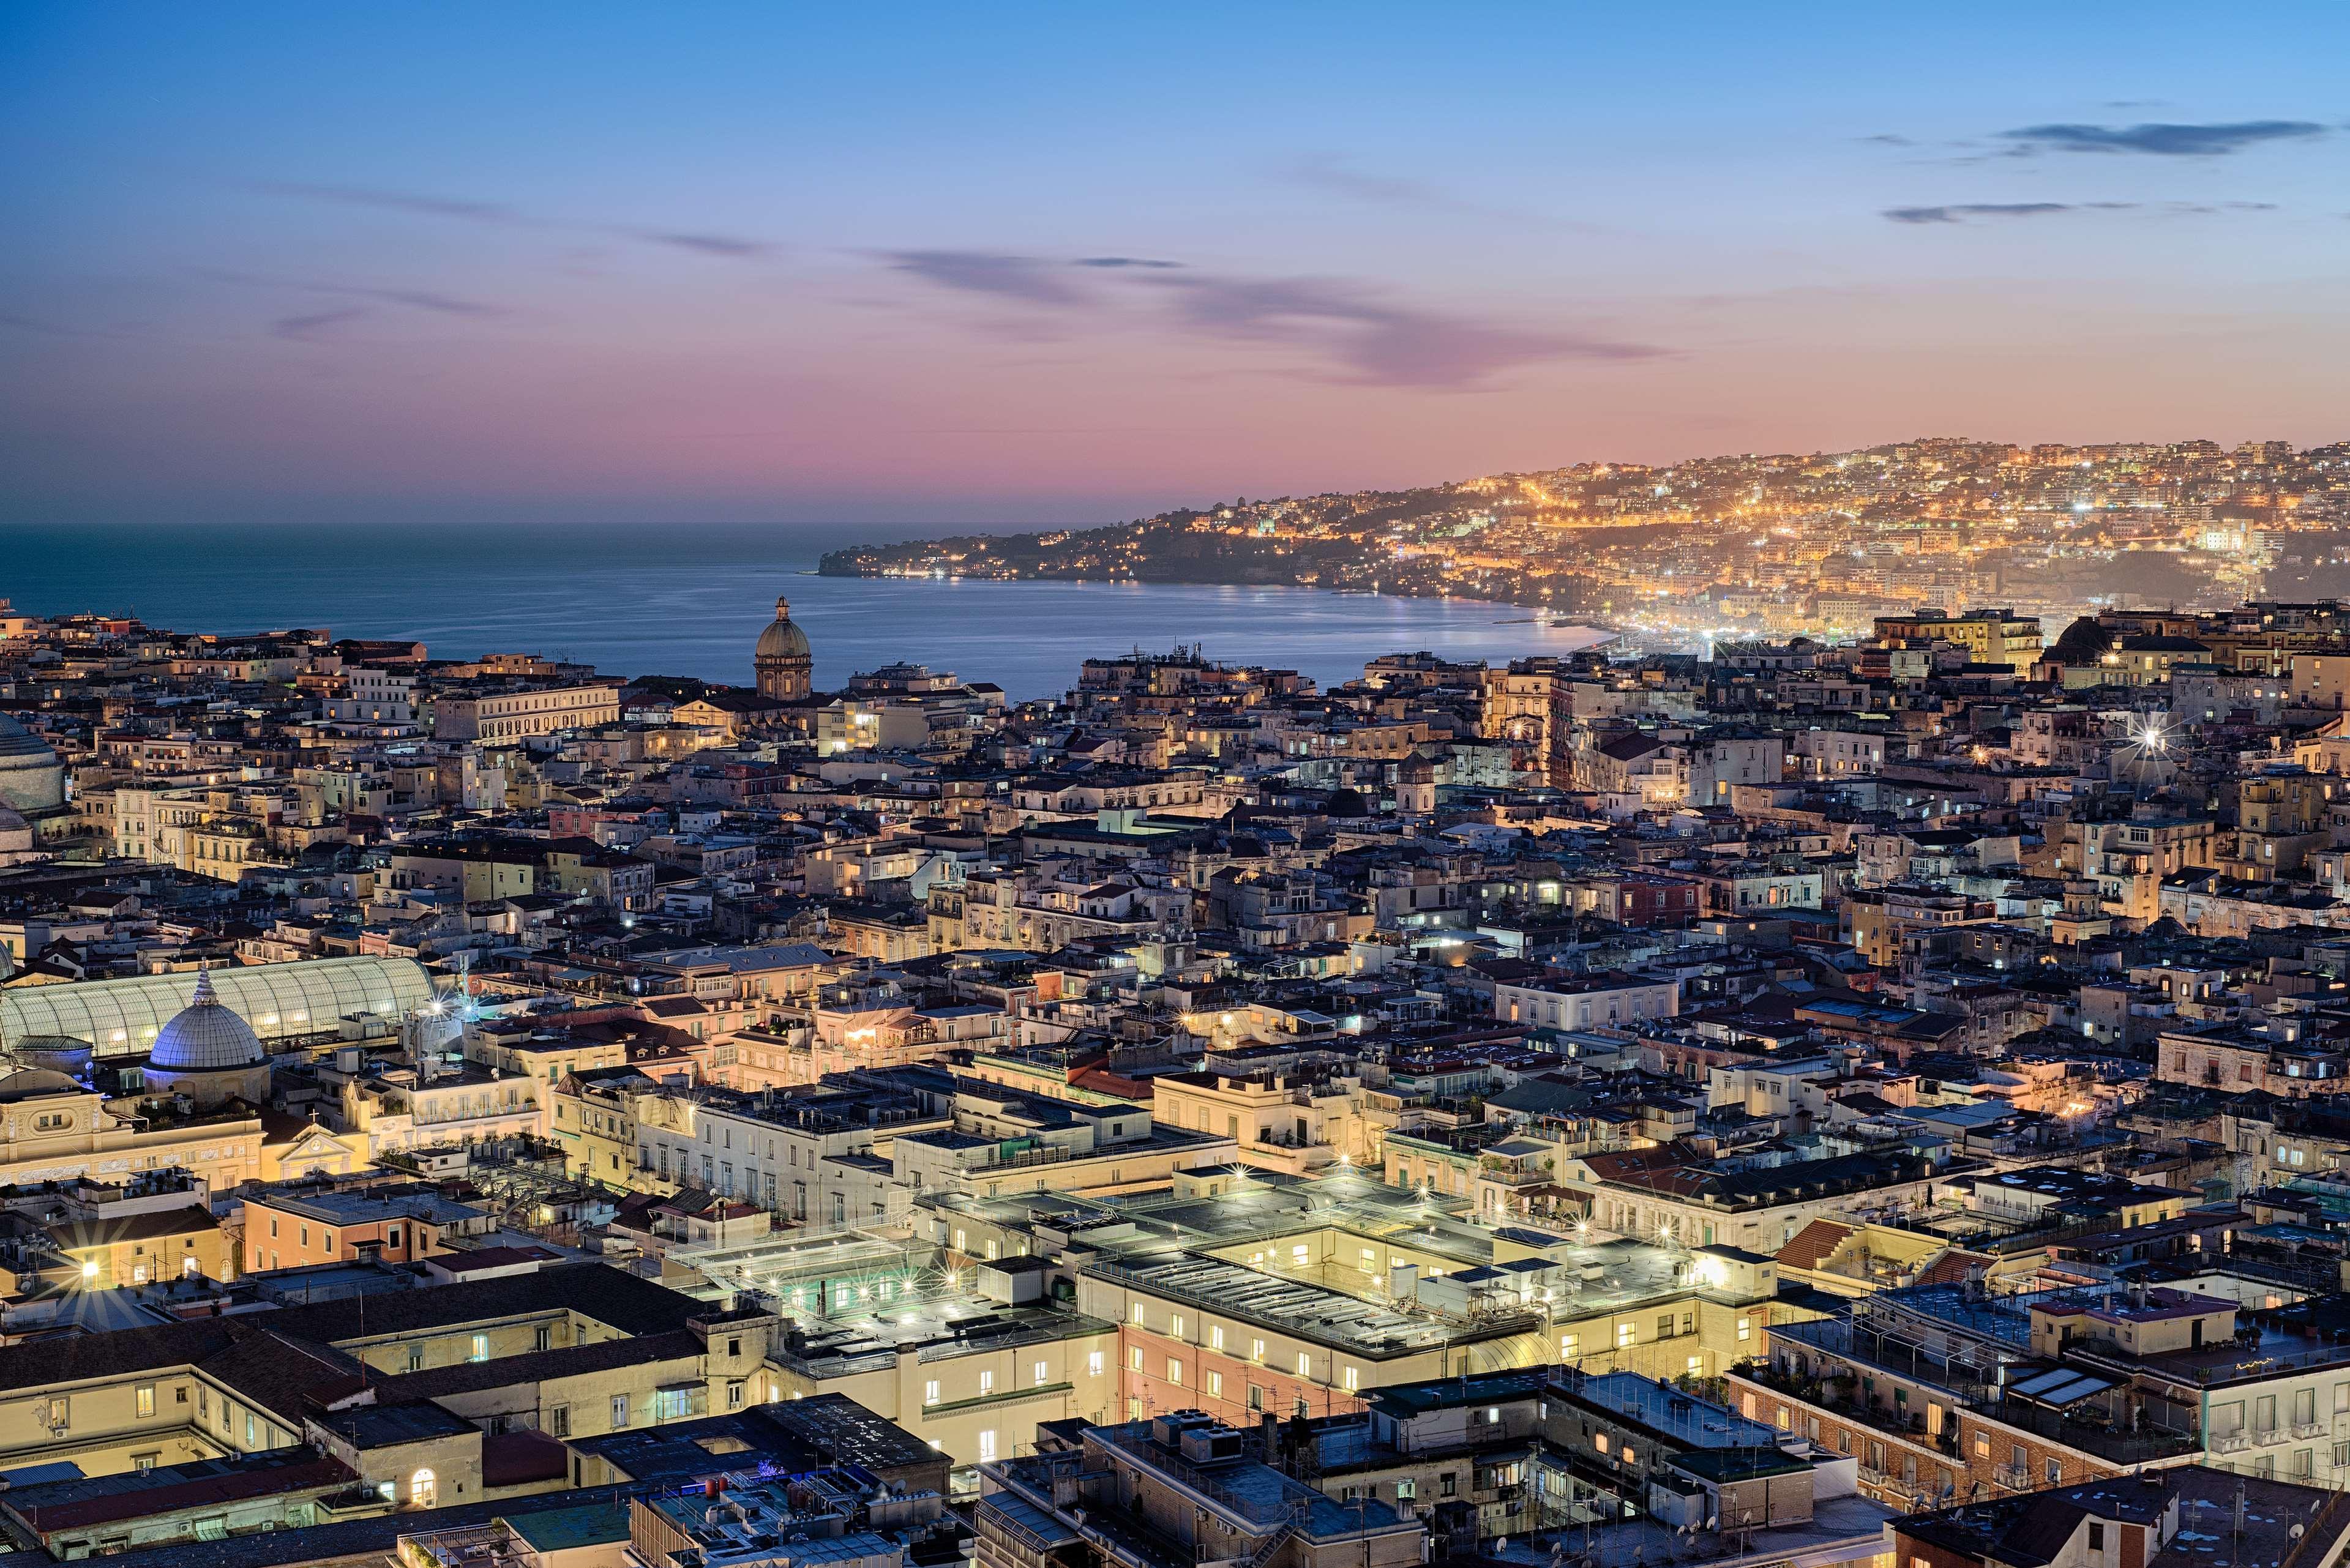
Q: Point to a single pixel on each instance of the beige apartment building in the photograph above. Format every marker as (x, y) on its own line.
(518, 715)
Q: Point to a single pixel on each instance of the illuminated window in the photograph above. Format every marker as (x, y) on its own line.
(1624, 1336)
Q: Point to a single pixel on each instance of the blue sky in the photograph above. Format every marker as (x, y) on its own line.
(883, 268)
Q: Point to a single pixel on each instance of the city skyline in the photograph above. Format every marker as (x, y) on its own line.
(1023, 272)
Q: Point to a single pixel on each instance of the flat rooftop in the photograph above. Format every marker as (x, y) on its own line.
(1292, 1306)
(1687, 1420)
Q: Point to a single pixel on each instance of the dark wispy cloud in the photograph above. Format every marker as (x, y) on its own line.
(1375, 342)
(1959, 212)
(306, 325)
(1887, 139)
(499, 215)
(306, 328)
(705, 245)
(1370, 338)
(2162, 139)
(1964, 211)
(1028, 279)
(415, 299)
(392, 201)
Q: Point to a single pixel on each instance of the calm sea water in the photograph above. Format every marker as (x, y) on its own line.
(692, 603)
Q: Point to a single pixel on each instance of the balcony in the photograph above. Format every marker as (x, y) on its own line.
(2231, 1443)
(2309, 1429)
(1837, 1399)
(2015, 1478)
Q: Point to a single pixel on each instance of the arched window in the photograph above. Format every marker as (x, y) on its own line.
(421, 1490)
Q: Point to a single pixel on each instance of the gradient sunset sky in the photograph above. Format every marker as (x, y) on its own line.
(890, 269)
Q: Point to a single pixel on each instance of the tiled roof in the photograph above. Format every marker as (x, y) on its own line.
(1813, 1243)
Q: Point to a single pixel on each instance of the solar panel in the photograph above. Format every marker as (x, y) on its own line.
(2039, 1382)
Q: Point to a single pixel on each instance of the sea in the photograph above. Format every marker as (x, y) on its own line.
(690, 601)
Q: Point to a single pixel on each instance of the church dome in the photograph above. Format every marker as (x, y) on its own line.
(32, 779)
(782, 639)
(205, 1037)
(782, 660)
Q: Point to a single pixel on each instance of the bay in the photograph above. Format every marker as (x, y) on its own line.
(692, 602)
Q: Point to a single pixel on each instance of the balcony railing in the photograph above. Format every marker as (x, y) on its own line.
(2015, 1478)
(1907, 1425)
(2309, 1429)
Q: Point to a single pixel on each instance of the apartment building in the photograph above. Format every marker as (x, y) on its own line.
(1007, 1140)
(506, 712)
(298, 1224)
(1589, 1002)
(1944, 1392)
(1683, 1192)
(1174, 1490)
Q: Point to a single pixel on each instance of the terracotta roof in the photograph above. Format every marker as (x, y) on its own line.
(1952, 1267)
(1813, 1243)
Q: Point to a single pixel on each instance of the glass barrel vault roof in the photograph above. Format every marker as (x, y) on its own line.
(281, 1001)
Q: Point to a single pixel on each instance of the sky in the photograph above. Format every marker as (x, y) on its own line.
(878, 271)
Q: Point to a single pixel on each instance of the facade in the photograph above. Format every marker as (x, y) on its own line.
(519, 712)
